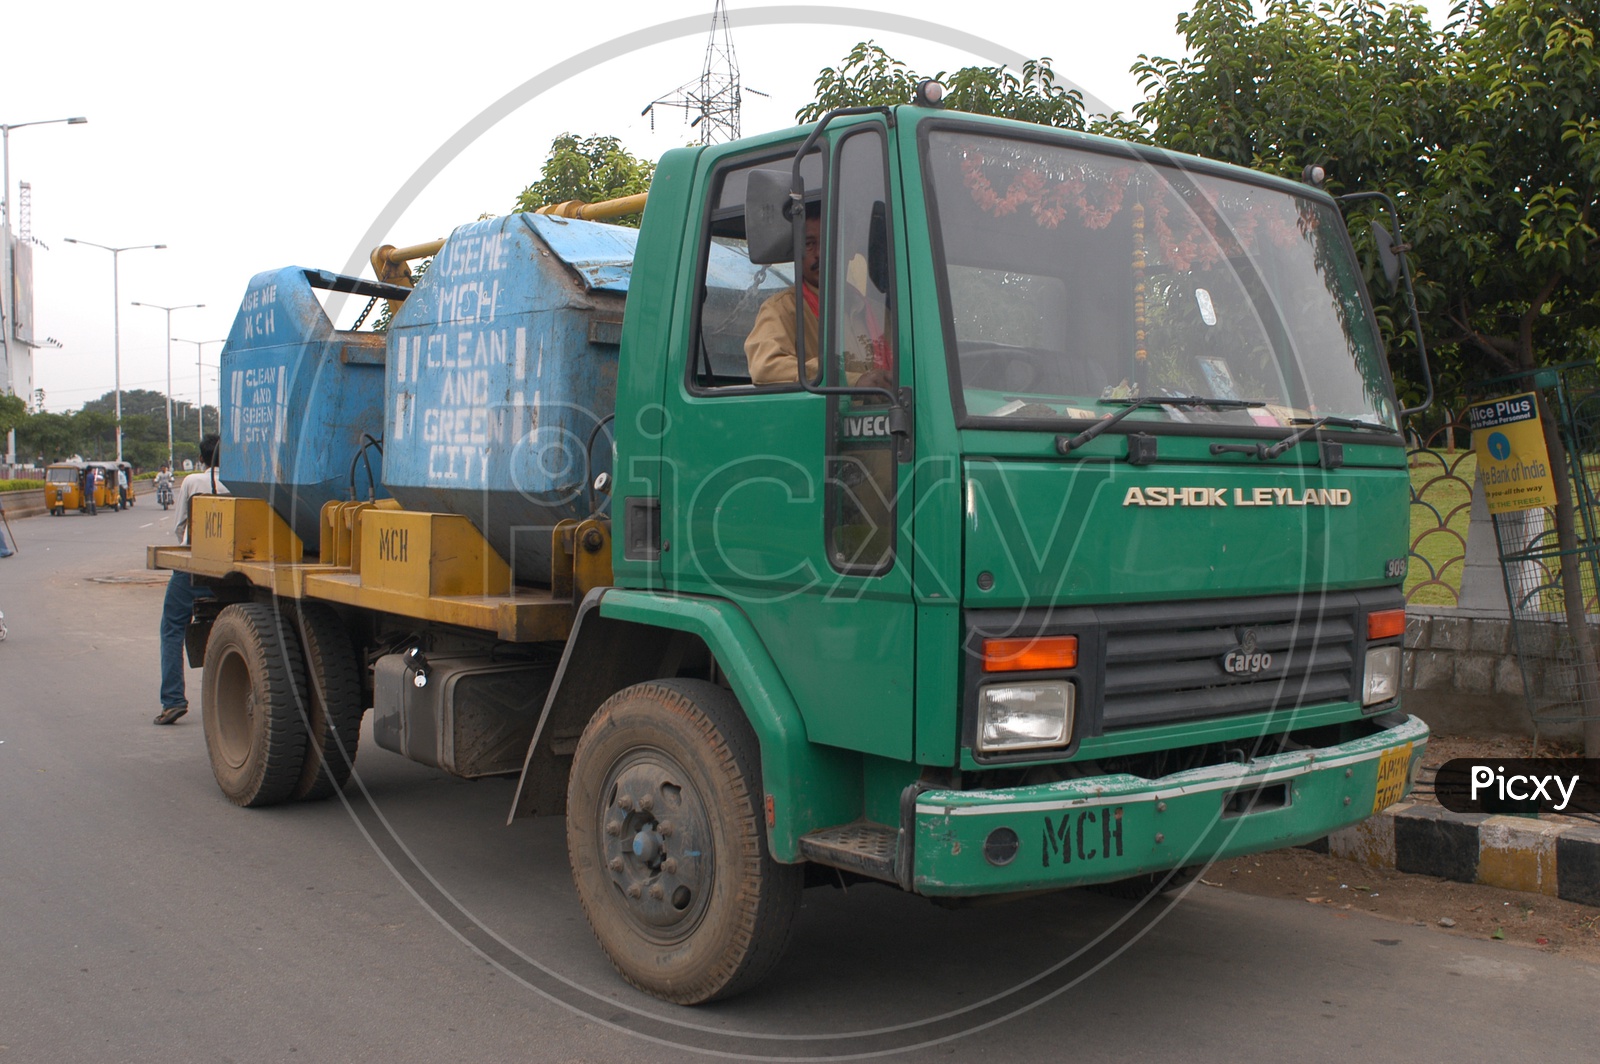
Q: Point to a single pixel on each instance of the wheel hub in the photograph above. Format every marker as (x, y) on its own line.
(656, 837)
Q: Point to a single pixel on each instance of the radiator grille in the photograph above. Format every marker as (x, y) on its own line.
(1159, 663)
(1167, 663)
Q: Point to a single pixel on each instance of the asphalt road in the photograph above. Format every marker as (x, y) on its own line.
(144, 918)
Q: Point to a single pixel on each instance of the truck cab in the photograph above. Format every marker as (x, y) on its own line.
(1122, 592)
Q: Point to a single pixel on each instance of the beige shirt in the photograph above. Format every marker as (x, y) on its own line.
(203, 481)
(770, 346)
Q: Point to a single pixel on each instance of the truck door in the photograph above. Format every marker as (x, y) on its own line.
(783, 501)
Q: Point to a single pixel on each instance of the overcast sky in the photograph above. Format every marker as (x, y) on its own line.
(250, 137)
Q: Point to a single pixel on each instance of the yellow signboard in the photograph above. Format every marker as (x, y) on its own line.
(1512, 459)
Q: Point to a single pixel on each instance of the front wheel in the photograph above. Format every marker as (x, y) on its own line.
(667, 846)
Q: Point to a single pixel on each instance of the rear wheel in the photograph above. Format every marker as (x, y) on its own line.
(249, 705)
(333, 700)
(668, 850)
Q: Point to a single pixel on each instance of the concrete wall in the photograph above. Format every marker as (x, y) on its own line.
(1462, 674)
(23, 503)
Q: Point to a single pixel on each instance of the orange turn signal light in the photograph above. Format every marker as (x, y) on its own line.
(1024, 655)
(1386, 624)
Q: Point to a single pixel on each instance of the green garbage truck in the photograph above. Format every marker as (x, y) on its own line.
(919, 497)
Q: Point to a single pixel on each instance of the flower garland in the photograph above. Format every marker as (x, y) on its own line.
(1099, 197)
(1049, 201)
(1140, 353)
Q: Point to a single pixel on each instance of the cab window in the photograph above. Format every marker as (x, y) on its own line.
(732, 289)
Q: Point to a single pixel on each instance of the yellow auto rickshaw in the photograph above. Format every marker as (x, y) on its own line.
(106, 494)
(63, 487)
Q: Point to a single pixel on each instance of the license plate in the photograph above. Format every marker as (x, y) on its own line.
(1392, 768)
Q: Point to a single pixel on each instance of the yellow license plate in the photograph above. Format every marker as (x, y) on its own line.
(1392, 769)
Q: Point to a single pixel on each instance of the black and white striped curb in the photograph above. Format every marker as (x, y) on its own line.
(1540, 857)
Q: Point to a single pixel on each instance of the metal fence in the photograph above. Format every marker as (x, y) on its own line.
(1540, 560)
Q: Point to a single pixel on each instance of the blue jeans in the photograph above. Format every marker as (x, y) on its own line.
(175, 614)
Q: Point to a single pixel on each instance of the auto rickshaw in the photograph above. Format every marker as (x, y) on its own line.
(105, 491)
(64, 487)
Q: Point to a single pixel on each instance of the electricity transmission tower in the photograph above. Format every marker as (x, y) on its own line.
(710, 102)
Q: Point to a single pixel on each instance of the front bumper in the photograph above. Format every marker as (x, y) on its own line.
(1105, 828)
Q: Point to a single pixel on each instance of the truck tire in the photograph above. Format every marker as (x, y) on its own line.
(334, 725)
(250, 705)
(668, 846)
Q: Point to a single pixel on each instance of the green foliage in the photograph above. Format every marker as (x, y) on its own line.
(870, 77)
(1484, 130)
(91, 432)
(590, 169)
(13, 411)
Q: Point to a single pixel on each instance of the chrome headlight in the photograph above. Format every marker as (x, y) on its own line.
(1025, 716)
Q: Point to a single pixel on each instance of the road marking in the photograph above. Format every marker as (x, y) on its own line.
(152, 524)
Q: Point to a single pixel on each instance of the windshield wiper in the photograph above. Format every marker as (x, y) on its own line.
(1342, 422)
(1332, 453)
(1066, 445)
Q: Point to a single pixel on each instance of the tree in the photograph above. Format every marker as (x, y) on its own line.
(1485, 131)
(590, 169)
(1527, 173)
(48, 435)
(870, 77)
(13, 412)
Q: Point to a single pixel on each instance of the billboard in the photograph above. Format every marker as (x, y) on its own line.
(1512, 460)
(22, 292)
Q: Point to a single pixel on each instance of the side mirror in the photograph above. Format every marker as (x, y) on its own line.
(768, 231)
(1386, 253)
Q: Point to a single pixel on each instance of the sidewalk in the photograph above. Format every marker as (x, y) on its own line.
(1535, 856)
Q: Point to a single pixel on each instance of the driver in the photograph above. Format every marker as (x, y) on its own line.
(770, 347)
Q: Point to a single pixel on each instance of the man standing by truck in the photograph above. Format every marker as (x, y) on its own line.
(178, 606)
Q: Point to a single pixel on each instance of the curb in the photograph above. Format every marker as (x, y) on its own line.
(1515, 853)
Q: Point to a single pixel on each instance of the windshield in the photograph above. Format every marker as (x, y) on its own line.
(1076, 279)
(61, 476)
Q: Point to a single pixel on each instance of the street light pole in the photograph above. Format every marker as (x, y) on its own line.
(200, 385)
(169, 310)
(8, 307)
(116, 321)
